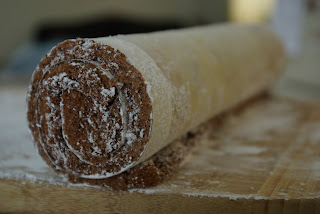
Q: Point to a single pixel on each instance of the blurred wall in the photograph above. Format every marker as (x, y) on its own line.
(19, 18)
(250, 11)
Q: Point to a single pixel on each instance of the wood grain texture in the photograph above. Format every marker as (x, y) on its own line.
(264, 160)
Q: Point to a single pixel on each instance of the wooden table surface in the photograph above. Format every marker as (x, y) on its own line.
(265, 160)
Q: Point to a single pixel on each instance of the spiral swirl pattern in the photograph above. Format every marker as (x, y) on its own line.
(88, 110)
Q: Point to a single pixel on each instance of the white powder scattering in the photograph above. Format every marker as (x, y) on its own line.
(315, 136)
(131, 137)
(18, 157)
(114, 64)
(243, 150)
(275, 118)
(96, 151)
(282, 193)
(149, 90)
(312, 132)
(141, 133)
(200, 194)
(213, 165)
(214, 182)
(316, 169)
(108, 92)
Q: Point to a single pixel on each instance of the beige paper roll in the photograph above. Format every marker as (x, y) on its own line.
(97, 107)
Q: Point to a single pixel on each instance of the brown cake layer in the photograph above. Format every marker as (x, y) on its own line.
(83, 107)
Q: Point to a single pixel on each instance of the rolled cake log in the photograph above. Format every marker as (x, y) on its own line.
(97, 107)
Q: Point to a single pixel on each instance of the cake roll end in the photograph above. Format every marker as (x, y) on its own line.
(88, 110)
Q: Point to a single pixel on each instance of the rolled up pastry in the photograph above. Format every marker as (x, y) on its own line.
(97, 107)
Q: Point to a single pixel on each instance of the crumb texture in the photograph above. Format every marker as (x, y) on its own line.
(84, 112)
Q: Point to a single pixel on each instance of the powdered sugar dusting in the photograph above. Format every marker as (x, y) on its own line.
(108, 92)
(213, 164)
(149, 90)
(18, 157)
(79, 72)
(63, 82)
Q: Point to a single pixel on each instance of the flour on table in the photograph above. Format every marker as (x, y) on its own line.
(239, 151)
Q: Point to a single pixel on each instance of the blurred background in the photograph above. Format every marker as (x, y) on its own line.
(31, 28)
